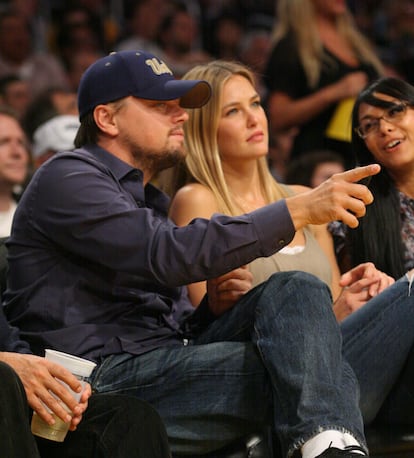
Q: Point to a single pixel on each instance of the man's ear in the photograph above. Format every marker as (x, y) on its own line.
(104, 119)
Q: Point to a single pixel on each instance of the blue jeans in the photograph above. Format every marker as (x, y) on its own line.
(378, 344)
(274, 359)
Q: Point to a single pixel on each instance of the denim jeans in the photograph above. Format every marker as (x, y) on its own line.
(378, 344)
(273, 359)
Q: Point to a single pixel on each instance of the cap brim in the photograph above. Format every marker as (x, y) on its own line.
(192, 93)
(197, 96)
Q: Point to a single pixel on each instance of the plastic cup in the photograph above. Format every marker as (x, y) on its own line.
(81, 369)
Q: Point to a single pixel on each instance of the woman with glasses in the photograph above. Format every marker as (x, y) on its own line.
(383, 132)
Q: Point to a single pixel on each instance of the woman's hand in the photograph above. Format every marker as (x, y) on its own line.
(224, 291)
(359, 284)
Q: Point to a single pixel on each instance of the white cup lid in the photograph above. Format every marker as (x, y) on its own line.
(78, 366)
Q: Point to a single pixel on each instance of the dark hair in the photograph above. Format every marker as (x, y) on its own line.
(41, 109)
(88, 131)
(378, 236)
(5, 81)
(301, 170)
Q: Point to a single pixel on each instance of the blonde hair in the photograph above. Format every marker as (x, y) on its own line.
(203, 163)
(298, 17)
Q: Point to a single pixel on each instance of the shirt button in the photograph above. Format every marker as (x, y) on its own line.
(281, 242)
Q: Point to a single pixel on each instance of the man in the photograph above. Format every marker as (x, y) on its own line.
(93, 255)
(14, 166)
(15, 94)
(113, 425)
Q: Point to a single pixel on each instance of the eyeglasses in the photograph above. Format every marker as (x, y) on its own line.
(392, 114)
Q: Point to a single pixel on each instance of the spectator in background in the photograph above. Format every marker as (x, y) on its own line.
(319, 59)
(56, 134)
(395, 39)
(15, 94)
(14, 166)
(53, 101)
(143, 23)
(254, 51)
(107, 13)
(179, 40)
(78, 30)
(38, 19)
(77, 63)
(227, 31)
(17, 56)
(313, 168)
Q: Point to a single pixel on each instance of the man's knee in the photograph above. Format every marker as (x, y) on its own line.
(297, 289)
(297, 283)
(297, 277)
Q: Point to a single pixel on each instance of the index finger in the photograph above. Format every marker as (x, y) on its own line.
(358, 173)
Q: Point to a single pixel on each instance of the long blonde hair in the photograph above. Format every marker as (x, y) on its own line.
(298, 17)
(203, 163)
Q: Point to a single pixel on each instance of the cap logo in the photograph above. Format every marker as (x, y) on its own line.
(158, 67)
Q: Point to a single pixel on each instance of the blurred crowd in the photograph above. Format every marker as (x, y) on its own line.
(49, 43)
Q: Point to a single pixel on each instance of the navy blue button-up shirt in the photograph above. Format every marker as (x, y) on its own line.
(96, 268)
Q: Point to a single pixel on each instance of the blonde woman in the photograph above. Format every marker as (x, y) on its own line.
(227, 143)
(225, 170)
(318, 60)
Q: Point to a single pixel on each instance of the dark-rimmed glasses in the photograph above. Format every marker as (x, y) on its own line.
(392, 114)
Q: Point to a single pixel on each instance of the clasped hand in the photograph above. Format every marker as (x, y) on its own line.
(224, 291)
(359, 284)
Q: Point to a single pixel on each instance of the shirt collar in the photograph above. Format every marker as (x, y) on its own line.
(154, 197)
(118, 167)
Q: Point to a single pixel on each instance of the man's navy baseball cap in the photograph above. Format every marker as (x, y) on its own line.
(140, 74)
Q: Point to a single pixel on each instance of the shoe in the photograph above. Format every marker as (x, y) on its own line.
(347, 452)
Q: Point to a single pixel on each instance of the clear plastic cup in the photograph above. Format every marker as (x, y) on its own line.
(81, 369)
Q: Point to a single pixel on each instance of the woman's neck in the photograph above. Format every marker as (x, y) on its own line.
(245, 187)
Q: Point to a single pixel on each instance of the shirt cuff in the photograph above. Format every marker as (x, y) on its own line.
(274, 226)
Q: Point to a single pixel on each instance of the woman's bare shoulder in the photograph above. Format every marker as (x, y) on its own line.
(192, 201)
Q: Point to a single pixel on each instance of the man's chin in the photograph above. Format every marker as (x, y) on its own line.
(170, 159)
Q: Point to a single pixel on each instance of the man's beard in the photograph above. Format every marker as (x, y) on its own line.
(153, 161)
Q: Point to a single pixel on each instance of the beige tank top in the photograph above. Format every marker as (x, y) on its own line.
(310, 259)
